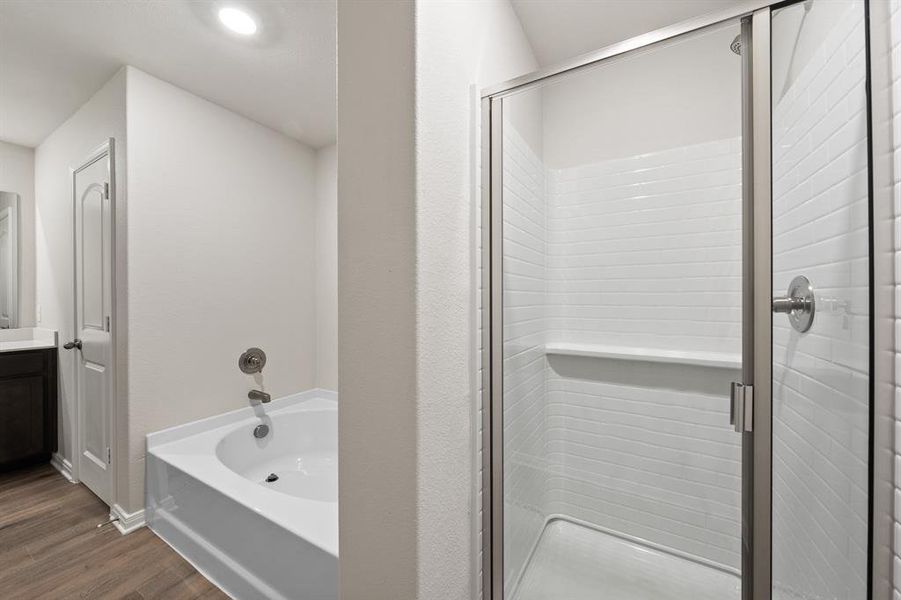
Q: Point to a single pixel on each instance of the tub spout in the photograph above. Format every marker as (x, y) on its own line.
(259, 395)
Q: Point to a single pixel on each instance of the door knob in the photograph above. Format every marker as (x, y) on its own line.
(76, 343)
(799, 304)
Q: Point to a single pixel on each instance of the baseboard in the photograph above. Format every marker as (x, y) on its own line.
(63, 466)
(126, 522)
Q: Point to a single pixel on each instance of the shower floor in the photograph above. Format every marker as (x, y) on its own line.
(572, 562)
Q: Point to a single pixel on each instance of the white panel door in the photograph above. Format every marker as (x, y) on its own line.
(93, 298)
(6, 271)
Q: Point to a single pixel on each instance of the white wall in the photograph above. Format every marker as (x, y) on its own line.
(102, 117)
(327, 268)
(377, 438)
(221, 257)
(406, 241)
(646, 102)
(17, 176)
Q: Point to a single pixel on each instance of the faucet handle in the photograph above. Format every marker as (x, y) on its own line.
(252, 361)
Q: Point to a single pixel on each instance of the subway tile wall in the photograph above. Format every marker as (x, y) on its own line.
(820, 378)
(645, 252)
(525, 372)
(638, 449)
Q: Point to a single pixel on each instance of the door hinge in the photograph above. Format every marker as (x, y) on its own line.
(741, 413)
(106, 190)
(109, 456)
(107, 324)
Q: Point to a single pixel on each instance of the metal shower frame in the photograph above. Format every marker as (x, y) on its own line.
(755, 18)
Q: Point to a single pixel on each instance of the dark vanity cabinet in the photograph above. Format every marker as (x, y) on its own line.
(28, 406)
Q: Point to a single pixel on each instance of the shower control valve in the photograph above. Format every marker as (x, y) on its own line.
(799, 304)
(252, 361)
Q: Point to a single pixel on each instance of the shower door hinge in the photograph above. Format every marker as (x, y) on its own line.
(741, 413)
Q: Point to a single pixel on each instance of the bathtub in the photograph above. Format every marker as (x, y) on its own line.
(208, 497)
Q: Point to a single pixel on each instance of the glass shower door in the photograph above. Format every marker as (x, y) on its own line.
(621, 282)
(664, 222)
(821, 356)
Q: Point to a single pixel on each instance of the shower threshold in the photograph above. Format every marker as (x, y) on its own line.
(574, 562)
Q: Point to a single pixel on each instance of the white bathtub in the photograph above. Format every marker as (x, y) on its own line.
(207, 497)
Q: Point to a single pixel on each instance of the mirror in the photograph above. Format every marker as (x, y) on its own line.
(9, 263)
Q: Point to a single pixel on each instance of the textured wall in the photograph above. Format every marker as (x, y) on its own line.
(820, 408)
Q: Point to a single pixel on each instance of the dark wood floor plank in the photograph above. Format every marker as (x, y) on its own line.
(51, 547)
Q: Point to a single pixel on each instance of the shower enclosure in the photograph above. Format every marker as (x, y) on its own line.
(678, 315)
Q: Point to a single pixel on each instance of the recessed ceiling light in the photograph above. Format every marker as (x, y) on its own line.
(238, 21)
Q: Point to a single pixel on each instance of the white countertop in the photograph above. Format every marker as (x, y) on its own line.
(27, 338)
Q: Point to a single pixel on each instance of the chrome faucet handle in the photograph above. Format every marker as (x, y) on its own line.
(788, 304)
(799, 304)
(252, 361)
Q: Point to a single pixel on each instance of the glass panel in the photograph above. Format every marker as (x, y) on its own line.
(622, 327)
(820, 231)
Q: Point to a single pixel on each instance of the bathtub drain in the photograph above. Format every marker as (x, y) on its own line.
(271, 477)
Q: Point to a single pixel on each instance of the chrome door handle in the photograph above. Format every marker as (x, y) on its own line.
(76, 343)
(741, 407)
(799, 304)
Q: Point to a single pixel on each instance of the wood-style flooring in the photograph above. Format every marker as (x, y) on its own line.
(50, 547)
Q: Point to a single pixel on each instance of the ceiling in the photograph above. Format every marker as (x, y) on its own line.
(55, 54)
(561, 29)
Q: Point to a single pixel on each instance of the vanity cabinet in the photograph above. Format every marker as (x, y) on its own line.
(28, 406)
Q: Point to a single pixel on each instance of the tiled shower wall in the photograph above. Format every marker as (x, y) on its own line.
(525, 374)
(639, 252)
(820, 378)
(645, 252)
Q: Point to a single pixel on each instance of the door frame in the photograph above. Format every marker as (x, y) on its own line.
(755, 16)
(107, 149)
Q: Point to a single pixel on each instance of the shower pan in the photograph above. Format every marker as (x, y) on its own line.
(678, 394)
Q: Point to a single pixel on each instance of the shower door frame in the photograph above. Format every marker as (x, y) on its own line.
(756, 571)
